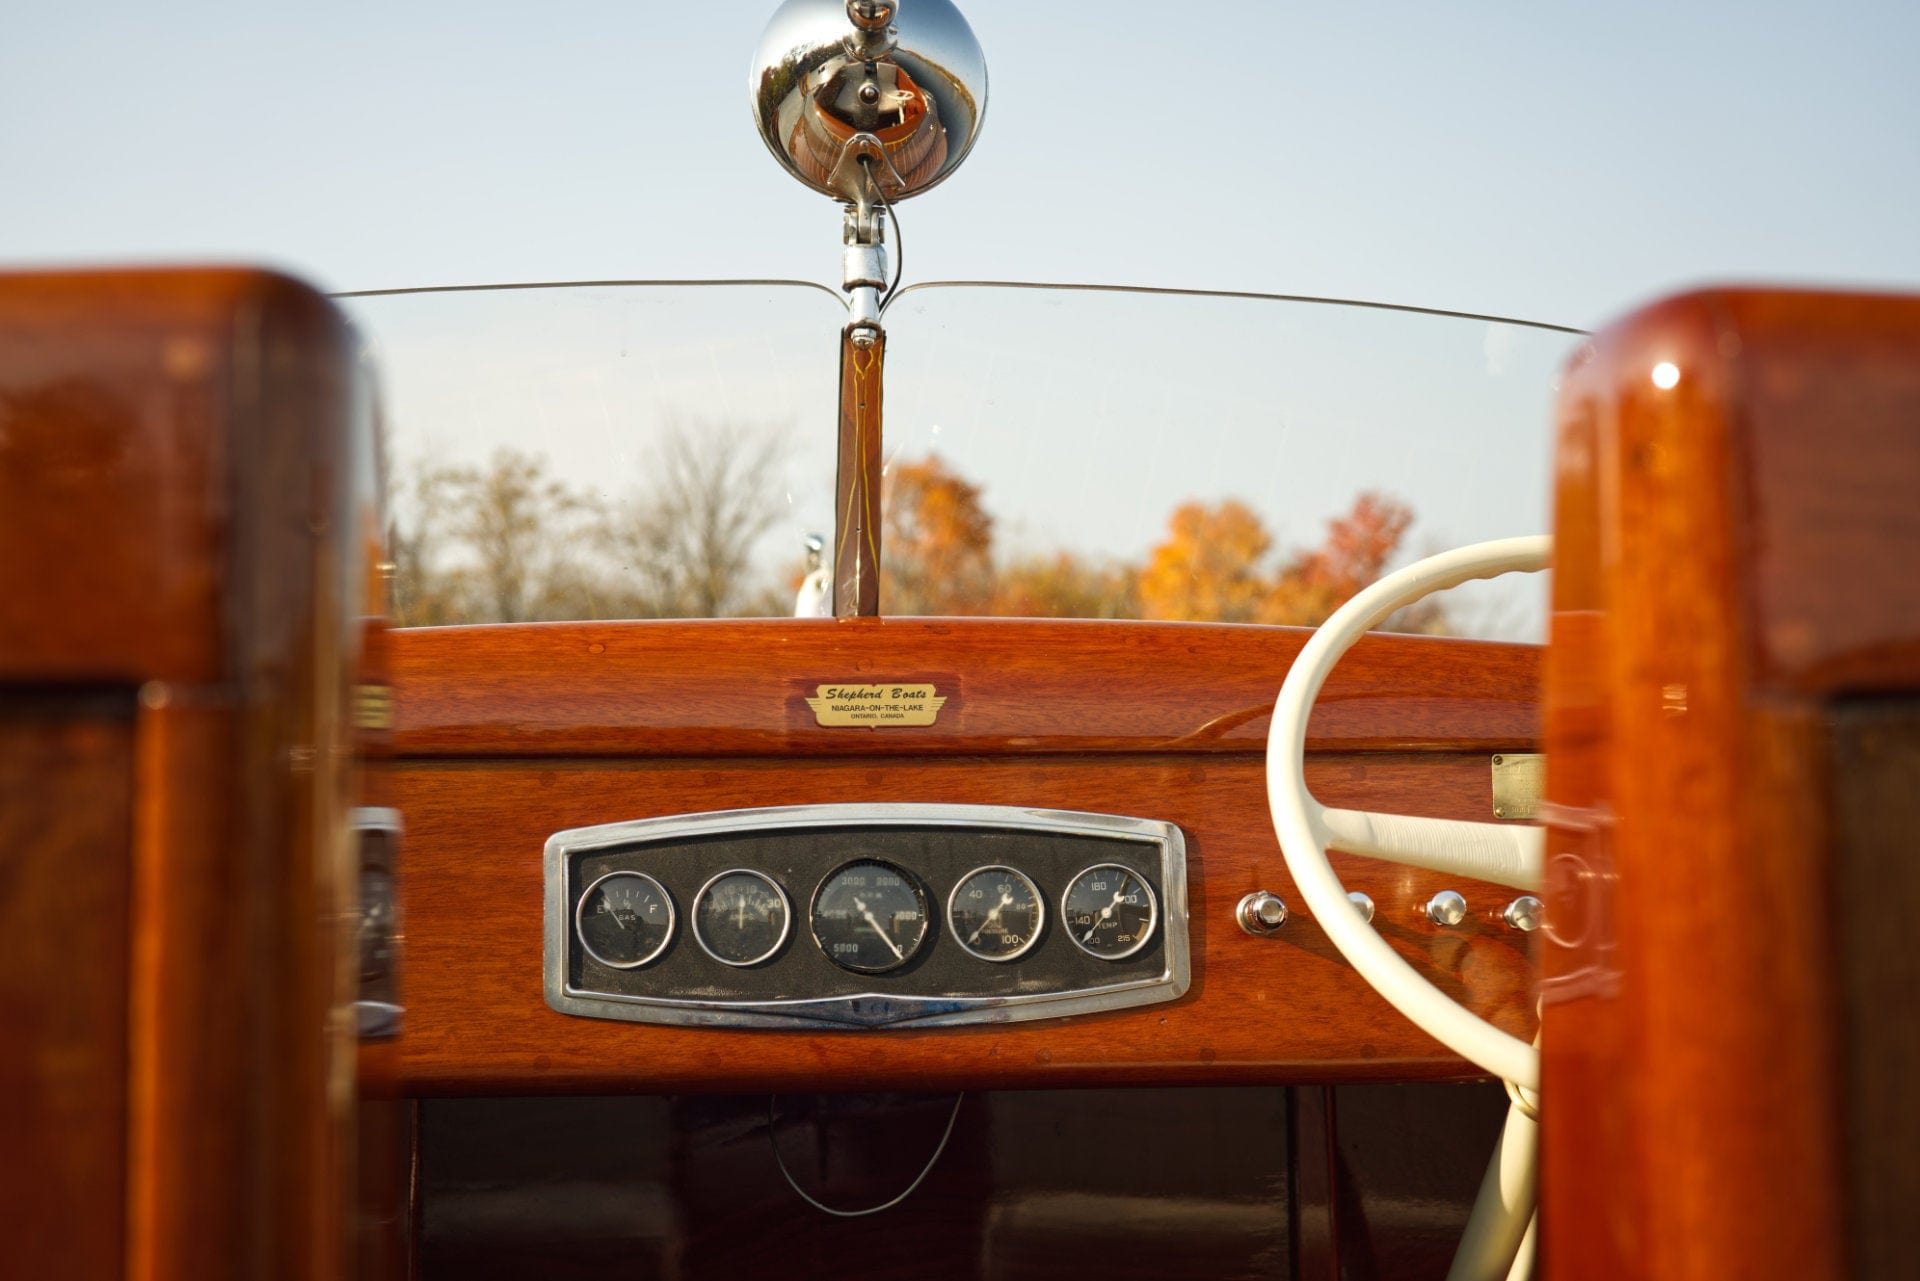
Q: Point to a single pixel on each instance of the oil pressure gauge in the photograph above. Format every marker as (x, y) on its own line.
(996, 913)
(870, 916)
(741, 917)
(624, 920)
(1109, 911)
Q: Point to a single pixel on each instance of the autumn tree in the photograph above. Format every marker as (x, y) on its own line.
(937, 539)
(1356, 550)
(1211, 565)
(1064, 585)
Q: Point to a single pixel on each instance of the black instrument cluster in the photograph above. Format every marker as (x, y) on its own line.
(864, 916)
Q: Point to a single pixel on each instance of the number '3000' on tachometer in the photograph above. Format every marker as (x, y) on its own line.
(870, 916)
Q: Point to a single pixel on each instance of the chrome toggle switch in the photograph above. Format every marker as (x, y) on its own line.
(1260, 913)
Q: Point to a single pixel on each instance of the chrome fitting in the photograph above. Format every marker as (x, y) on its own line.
(1523, 914)
(1447, 909)
(1261, 913)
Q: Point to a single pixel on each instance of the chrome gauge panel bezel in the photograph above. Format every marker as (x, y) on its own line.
(1157, 847)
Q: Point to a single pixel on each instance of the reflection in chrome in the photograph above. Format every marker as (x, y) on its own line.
(832, 82)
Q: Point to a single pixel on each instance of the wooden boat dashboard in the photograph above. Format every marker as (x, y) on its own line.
(507, 734)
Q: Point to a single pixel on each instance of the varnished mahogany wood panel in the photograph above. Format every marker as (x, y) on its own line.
(1276, 1009)
(185, 489)
(732, 688)
(1876, 801)
(858, 471)
(66, 804)
(1731, 552)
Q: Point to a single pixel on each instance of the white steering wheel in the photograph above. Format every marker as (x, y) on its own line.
(1508, 854)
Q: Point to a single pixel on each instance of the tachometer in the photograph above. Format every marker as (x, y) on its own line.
(1109, 911)
(870, 916)
(625, 919)
(996, 913)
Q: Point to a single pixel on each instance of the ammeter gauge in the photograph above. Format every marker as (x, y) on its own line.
(1109, 911)
(996, 913)
(625, 919)
(741, 917)
(870, 916)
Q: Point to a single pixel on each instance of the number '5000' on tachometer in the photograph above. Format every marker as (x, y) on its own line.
(870, 916)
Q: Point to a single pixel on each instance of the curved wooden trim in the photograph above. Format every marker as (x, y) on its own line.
(1013, 686)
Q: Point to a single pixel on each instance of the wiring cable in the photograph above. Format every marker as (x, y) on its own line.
(908, 1191)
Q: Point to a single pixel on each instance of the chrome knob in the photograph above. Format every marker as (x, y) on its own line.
(1446, 908)
(1523, 914)
(1361, 904)
(1261, 913)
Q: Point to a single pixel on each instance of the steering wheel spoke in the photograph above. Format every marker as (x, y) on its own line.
(1504, 853)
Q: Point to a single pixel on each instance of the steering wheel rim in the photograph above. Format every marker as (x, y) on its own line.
(1508, 854)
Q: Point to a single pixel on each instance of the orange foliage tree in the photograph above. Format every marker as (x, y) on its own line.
(1356, 551)
(1213, 565)
(937, 539)
(1208, 566)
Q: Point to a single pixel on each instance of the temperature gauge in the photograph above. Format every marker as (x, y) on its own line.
(996, 913)
(624, 920)
(870, 917)
(741, 917)
(1109, 911)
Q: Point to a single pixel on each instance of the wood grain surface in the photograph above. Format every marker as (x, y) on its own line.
(66, 825)
(185, 493)
(1733, 551)
(1277, 1009)
(1013, 687)
(855, 554)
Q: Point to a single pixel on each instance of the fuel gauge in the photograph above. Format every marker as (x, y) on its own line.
(624, 920)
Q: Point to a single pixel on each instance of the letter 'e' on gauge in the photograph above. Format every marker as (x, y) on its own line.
(624, 920)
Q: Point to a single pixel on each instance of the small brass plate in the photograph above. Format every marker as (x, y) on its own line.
(372, 707)
(876, 706)
(1518, 780)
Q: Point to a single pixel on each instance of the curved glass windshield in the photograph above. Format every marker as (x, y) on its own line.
(621, 451)
(650, 451)
(1083, 452)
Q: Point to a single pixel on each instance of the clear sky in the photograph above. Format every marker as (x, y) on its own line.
(1542, 159)
(1545, 160)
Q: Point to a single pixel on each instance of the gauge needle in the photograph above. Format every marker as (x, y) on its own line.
(1006, 900)
(614, 912)
(1106, 911)
(898, 955)
(740, 920)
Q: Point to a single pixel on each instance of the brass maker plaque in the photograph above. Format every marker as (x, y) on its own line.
(876, 706)
(1519, 778)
